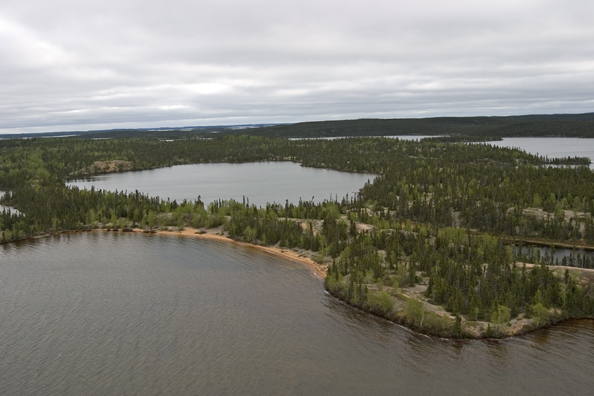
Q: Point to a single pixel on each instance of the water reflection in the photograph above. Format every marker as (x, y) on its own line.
(541, 337)
(573, 257)
(498, 352)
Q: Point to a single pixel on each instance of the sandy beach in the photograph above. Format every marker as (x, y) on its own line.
(214, 234)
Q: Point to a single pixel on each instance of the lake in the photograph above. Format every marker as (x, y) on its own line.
(574, 257)
(260, 182)
(551, 147)
(401, 137)
(103, 313)
(263, 182)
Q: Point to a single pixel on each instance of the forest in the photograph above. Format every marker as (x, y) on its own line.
(446, 128)
(434, 253)
(469, 128)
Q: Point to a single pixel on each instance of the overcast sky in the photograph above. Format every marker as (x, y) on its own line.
(85, 64)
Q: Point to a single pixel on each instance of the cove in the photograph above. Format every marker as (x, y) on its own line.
(149, 314)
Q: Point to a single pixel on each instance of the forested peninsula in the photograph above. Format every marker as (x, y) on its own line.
(428, 243)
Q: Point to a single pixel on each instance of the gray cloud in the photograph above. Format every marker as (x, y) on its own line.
(72, 65)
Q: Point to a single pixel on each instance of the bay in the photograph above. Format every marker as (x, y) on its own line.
(103, 313)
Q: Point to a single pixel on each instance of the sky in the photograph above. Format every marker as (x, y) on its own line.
(86, 65)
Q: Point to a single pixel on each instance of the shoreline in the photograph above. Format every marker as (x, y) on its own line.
(402, 321)
(320, 273)
(318, 270)
(544, 243)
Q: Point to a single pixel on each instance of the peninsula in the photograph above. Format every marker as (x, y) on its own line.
(426, 244)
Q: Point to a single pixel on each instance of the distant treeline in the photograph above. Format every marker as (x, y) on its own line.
(451, 129)
(458, 128)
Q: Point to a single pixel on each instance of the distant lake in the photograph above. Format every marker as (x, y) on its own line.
(260, 182)
(557, 254)
(263, 182)
(551, 147)
(401, 137)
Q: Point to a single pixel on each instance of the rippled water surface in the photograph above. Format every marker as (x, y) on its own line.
(135, 314)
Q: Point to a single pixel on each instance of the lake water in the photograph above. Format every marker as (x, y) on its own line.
(553, 256)
(551, 147)
(401, 137)
(260, 182)
(263, 182)
(134, 314)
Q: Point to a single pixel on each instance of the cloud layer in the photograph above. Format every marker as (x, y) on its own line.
(80, 65)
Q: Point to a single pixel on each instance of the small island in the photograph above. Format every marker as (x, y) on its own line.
(432, 243)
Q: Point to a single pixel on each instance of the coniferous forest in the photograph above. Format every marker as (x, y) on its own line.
(428, 243)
